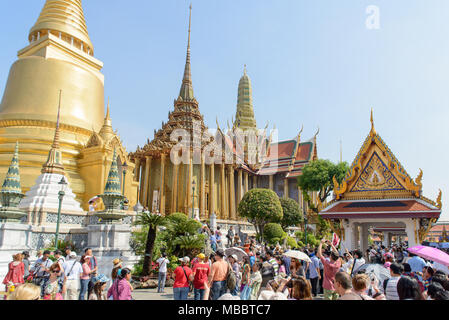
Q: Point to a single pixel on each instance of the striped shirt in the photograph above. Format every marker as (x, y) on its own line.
(275, 266)
(391, 292)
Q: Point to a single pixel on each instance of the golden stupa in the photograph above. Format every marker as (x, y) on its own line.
(60, 57)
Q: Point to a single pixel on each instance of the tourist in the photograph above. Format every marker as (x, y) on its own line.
(85, 277)
(437, 292)
(320, 282)
(181, 287)
(355, 262)
(230, 236)
(441, 278)
(16, 272)
(162, 274)
(390, 285)
(408, 289)
(296, 268)
(236, 239)
(343, 286)
(116, 267)
(121, 288)
(360, 285)
(39, 254)
(26, 264)
(41, 269)
(199, 277)
(427, 276)
(53, 289)
(416, 263)
(218, 276)
(246, 275)
(314, 273)
(281, 264)
(300, 289)
(235, 267)
(408, 272)
(267, 272)
(213, 242)
(59, 258)
(98, 293)
(93, 265)
(27, 291)
(67, 252)
(272, 261)
(218, 237)
(255, 281)
(73, 270)
(331, 268)
(389, 259)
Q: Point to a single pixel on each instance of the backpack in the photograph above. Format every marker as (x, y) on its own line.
(231, 279)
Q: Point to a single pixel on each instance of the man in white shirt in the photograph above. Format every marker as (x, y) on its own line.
(73, 269)
(354, 262)
(162, 261)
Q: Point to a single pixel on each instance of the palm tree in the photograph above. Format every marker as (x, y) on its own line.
(190, 243)
(153, 221)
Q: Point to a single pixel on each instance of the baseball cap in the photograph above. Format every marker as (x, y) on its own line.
(201, 256)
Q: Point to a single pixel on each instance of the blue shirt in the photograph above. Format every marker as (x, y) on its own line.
(252, 260)
(416, 264)
(287, 263)
(213, 239)
(313, 266)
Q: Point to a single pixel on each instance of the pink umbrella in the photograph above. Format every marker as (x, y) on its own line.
(430, 253)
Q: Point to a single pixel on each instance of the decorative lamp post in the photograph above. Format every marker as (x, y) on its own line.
(61, 194)
(125, 168)
(305, 226)
(193, 199)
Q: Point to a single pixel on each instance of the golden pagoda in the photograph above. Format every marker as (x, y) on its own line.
(60, 57)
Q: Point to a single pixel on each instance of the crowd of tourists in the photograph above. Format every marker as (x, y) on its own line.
(258, 272)
(57, 277)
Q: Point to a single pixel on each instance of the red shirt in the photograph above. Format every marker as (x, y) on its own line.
(330, 270)
(201, 271)
(180, 278)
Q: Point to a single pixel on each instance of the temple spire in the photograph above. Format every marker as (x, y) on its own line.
(63, 16)
(113, 182)
(54, 161)
(244, 117)
(12, 179)
(372, 122)
(186, 92)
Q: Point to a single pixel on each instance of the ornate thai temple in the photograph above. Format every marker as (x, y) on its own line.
(60, 57)
(377, 194)
(213, 175)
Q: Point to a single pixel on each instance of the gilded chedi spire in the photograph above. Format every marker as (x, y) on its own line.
(54, 160)
(186, 92)
(244, 117)
(107, 131)
(113, 183)
(65, 16)
(12, 179)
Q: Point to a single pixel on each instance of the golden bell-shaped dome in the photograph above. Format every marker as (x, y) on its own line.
(65, 16)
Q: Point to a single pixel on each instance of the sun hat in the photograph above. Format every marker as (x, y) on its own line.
(117, 262)
(100, 278)
(234, 256)
(72, 254)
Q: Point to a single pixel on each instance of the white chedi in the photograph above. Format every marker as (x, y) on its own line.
(44, 195)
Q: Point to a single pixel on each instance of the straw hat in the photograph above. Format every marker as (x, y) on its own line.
(117, 262)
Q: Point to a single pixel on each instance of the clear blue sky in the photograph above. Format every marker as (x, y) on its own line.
(311, 62)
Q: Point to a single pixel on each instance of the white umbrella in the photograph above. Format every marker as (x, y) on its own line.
(297, 255)
(237, 251)
(93, 199)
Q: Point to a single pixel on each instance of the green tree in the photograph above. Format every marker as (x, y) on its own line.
(292, 215)
(152, 221)
(311, 239)
(273, 233)
(318, 176)
(260, 206)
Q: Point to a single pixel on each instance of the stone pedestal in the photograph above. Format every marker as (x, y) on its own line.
(14, 238)
(110, 241)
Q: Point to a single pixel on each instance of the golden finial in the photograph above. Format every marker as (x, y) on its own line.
(419, 178)
(108, 116)
(190, 22)
(317, 132)
(56, 138)
(244, 70)
(372, 122)
(439, 204)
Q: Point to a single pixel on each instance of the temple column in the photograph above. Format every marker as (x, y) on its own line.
(271, 182)
(222, 191)
(141, 184)
(190, 204)
(203, 187)
(364, 238)
(240, 185)
(174, 194)
(137, 170)
(232, 193)
(254, 181)
(285, 188)
(162, 186)
(211, 190)
(246, 182)
(146, 184)
(412, 232)
(300, 198)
